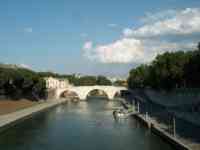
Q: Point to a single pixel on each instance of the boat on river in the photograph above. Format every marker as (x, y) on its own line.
(119, 113)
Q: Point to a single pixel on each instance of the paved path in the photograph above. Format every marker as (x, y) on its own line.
(8, 119)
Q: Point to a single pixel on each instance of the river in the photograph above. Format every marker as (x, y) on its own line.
(87, 125)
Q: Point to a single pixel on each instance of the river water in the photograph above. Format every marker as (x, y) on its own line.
(87, 125)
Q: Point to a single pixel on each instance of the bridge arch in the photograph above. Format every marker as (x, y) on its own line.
(113, 93)
(68, 94)
(99, 92)
(117, 94)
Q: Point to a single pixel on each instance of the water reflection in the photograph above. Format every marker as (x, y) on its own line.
(85, 125)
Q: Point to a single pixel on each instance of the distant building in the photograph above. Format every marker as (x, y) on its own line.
(54, 83)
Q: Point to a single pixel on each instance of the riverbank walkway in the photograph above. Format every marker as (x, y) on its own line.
(161, 129)
(10, 119)
(131, 110)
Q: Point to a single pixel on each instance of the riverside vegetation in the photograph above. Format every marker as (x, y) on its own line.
(168, 71)
(17, 82)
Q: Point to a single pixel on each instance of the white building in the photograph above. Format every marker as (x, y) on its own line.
(54, 83)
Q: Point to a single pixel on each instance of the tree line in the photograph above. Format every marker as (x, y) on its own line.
(167, 71)
(17, 83)
(79, 81)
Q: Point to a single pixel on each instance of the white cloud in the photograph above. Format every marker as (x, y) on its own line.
(87, 45)
(155, 47)
(25, 66)
(154, 37)
(127, 32)
(87, 50)
(130, 50)
(28, 30)
(121, 51)
(158, 16)
(185, 21)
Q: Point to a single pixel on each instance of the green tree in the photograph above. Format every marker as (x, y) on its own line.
(192, 71)
(168, 71)
(20, 83)
(120, 83)
(198, 46)
(87, 80)
(137, 77)
(102, 80)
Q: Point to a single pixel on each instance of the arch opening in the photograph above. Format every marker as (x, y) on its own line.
(117, 95)
(97, 93)
(70, 95)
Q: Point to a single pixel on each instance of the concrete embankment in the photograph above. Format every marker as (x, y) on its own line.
(156, 129)
(8, 120)
(163, 134)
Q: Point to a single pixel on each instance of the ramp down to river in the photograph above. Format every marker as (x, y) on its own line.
(11, 119)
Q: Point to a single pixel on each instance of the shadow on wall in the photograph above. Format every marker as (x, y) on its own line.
(126, 94)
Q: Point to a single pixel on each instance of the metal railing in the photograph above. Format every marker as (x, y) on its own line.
(170, 120)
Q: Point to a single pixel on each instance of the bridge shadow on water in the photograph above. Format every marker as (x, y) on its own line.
(95, 98)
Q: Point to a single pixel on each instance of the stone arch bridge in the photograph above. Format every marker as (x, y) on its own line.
(83, 91)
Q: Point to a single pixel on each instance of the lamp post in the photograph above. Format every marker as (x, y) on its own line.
(138, 107)
(174, 126)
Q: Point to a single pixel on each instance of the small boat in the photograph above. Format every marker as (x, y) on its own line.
(119, 113)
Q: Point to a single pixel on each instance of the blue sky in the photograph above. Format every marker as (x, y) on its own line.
(89, 36)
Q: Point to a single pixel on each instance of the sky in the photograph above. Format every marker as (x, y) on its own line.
(95, 37)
